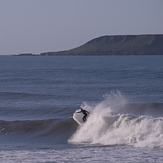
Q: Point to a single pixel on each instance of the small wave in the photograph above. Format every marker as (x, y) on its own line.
(17, 95)
(38, 127)
(34, 112)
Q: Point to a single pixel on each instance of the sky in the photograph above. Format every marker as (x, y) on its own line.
(36, 26)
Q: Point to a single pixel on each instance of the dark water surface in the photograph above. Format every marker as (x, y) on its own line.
(38, 95)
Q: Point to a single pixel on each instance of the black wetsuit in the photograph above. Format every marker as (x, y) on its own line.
(85, 114)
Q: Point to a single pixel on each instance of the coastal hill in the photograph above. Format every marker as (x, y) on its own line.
(117, 45)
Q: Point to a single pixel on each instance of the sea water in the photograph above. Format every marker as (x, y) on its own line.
(39, 95)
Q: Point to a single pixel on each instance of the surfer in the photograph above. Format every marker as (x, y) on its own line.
(85, 112)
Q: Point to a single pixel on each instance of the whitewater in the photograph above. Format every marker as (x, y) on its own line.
(39, 98)
(110, 124)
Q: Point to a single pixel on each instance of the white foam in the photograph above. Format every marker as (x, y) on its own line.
(108, 127)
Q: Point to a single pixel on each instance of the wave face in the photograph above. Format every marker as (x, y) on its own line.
(36, 132)
(115, 122)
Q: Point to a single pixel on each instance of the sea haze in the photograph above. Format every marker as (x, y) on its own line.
(39, 96)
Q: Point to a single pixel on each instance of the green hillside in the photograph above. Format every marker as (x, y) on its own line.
(118, 45)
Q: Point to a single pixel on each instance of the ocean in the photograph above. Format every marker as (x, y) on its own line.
(39, 96)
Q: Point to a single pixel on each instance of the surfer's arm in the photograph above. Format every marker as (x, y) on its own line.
(78, 112)
(87, 112)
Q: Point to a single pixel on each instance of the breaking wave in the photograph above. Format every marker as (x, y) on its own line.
(115, 122)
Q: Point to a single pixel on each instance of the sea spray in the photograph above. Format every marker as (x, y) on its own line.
(108, 125)
(101, 118)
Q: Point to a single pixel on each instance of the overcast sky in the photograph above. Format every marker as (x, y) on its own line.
(35, 26)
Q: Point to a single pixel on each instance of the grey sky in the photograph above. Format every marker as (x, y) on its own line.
(37, 26)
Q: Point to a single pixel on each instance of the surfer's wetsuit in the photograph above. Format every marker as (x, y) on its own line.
(85, 114)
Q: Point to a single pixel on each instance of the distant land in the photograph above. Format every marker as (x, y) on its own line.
(151, 44)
